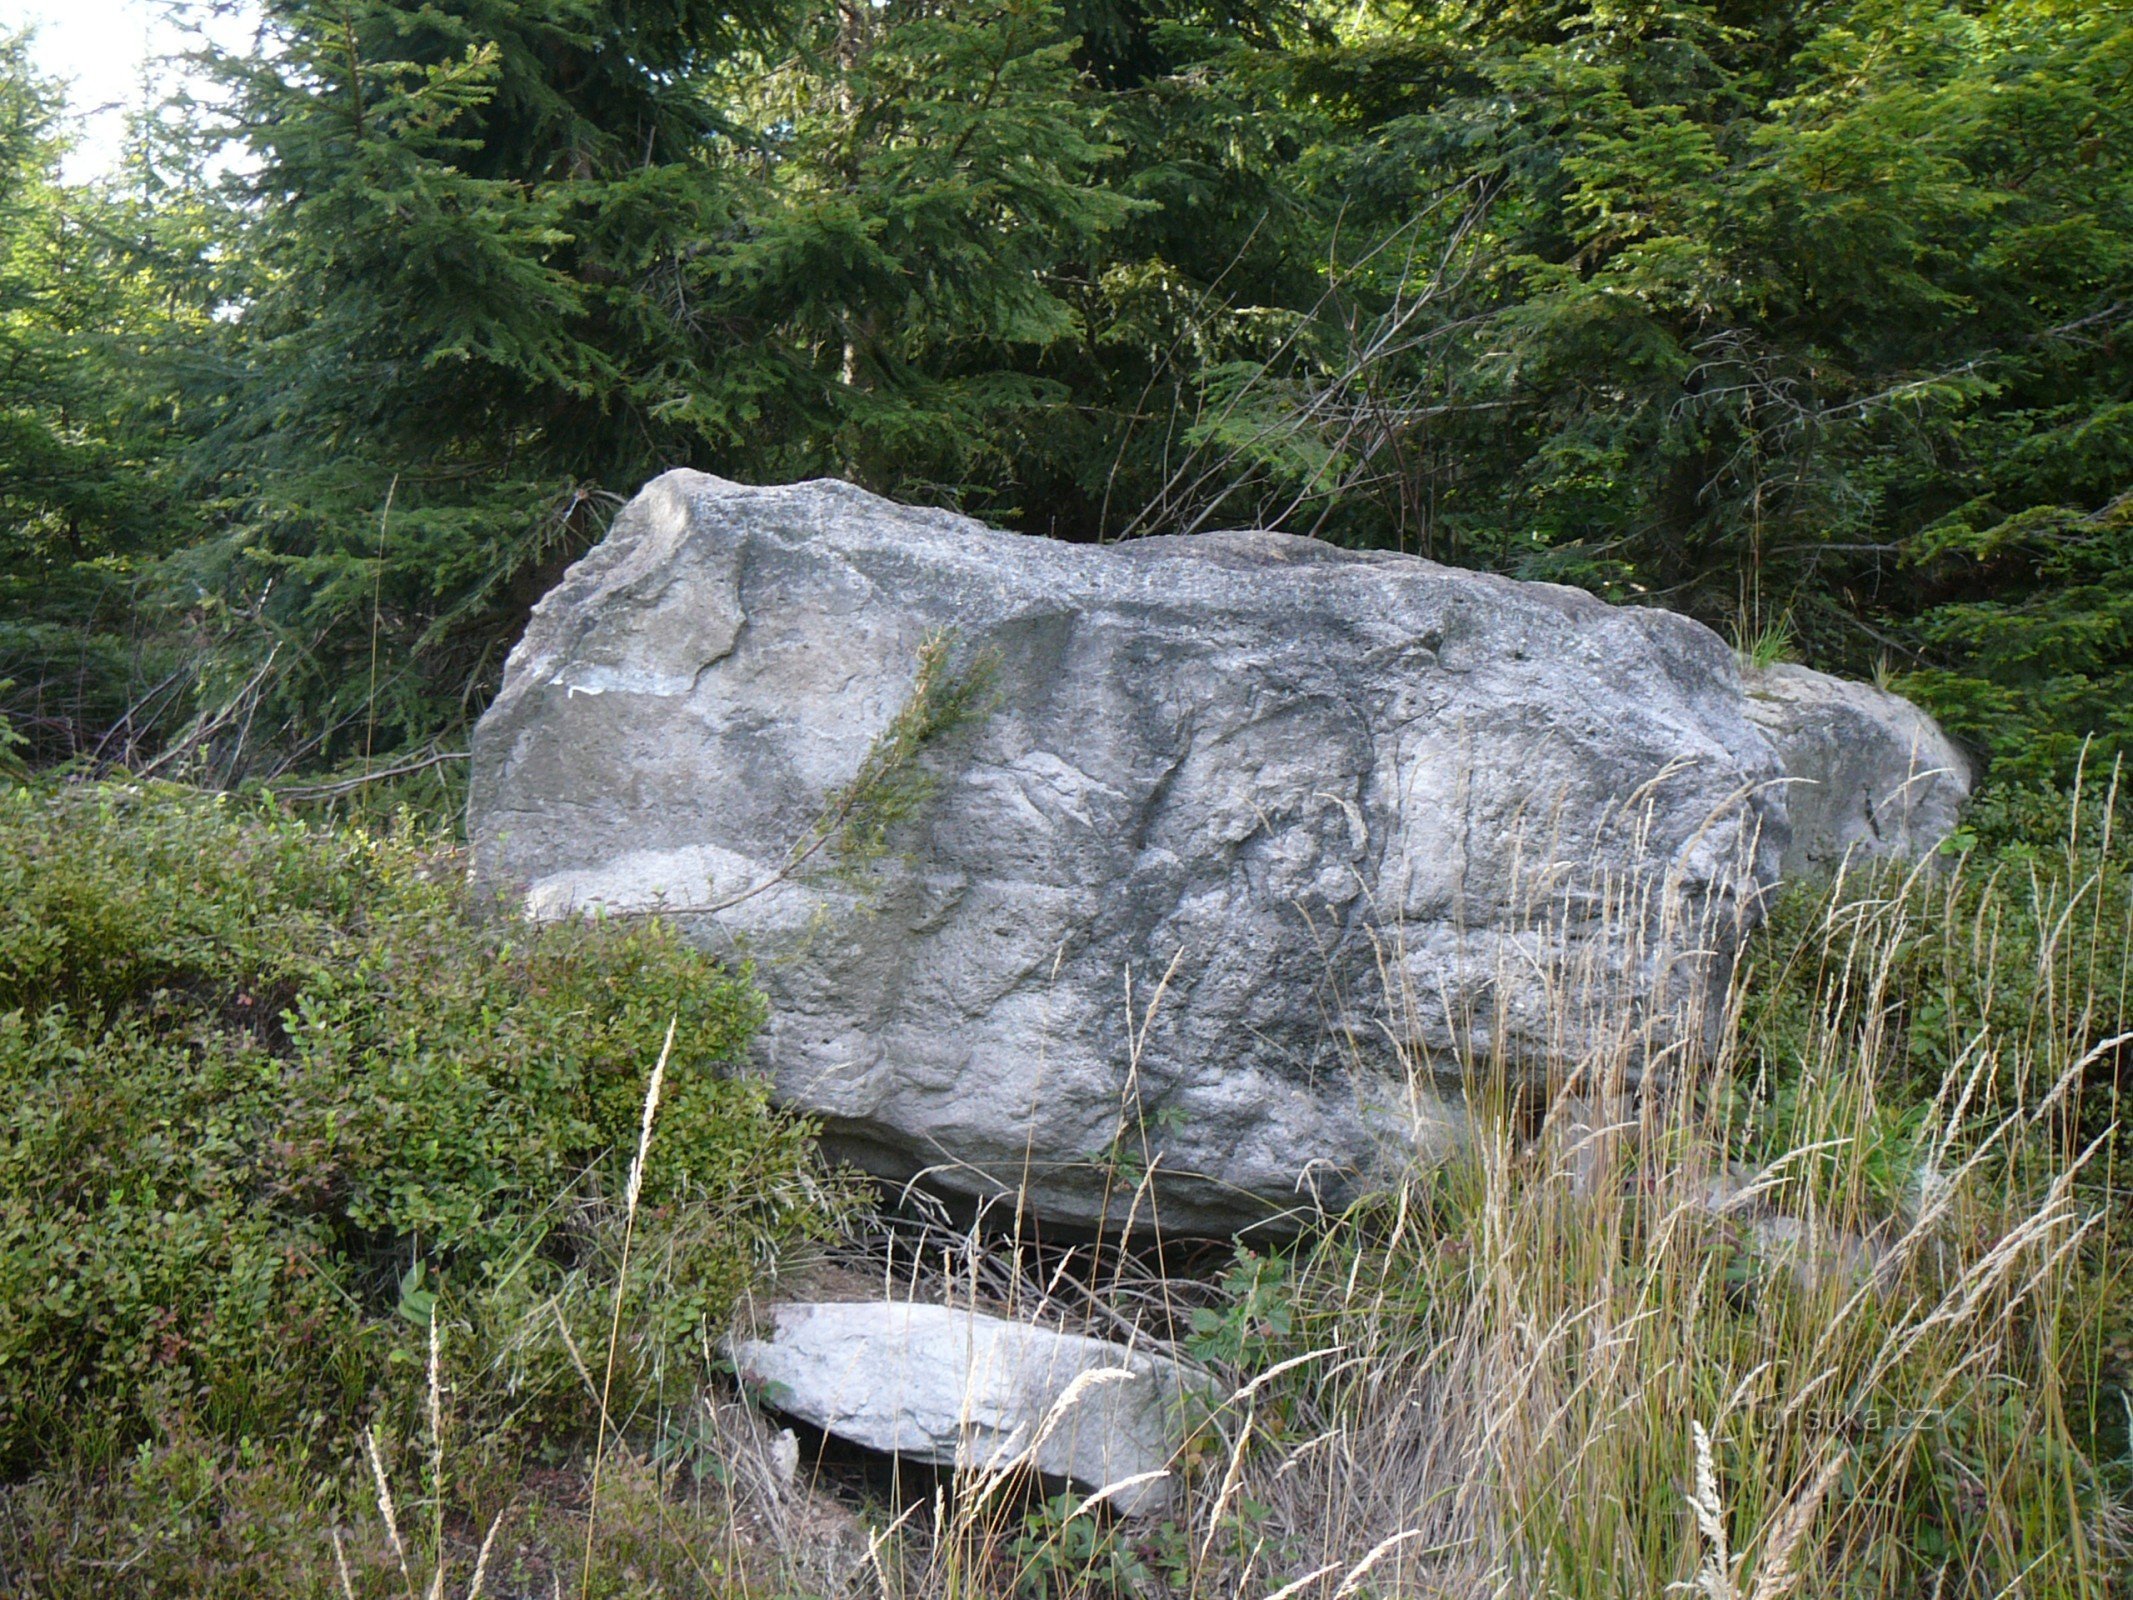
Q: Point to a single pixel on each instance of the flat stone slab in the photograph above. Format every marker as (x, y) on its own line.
(958, 1389)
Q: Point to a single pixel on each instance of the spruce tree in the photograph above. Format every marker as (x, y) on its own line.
(86, 508)
(459, 320)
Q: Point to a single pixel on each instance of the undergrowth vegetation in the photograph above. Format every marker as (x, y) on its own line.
(354, 1243)
(276, 1106)
(311, 1263)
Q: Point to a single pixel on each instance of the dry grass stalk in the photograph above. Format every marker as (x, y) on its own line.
(622, 1273)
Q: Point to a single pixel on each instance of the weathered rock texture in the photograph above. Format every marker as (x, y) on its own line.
(1869, 775)
(959, 1389)
(1259, 845)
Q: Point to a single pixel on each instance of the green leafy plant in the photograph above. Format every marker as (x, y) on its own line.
(1254, 1314)
(1071, 1551)
(893, 781)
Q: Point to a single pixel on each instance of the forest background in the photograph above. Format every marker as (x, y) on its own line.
(1807, 317)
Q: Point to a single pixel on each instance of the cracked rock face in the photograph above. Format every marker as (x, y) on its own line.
(1869, 775)
(1259, 845)
(960, 1389)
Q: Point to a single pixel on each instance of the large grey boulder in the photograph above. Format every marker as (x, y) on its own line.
(1259, 847)
(957, 1388)
(1869, 775)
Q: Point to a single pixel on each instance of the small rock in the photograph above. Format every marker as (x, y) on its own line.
(956, 1388)
(1815, 1255)
(1812, 1253)
(785, 1456)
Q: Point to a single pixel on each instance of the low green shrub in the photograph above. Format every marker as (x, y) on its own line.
(271, 1099)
